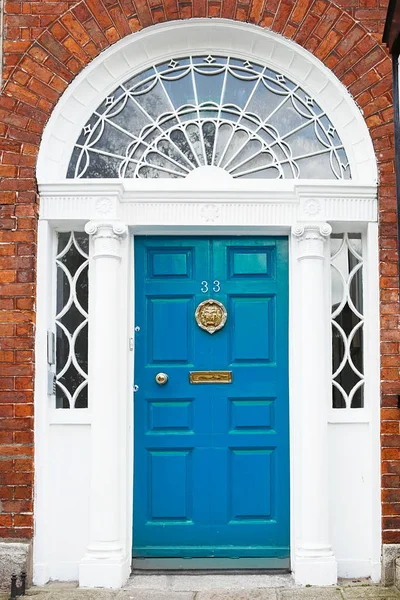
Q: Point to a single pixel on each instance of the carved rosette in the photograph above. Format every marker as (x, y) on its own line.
(211, 315)
(104, 206)
(107, 237)
(311, 238)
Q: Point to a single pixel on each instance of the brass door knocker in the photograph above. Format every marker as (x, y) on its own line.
(211, 315)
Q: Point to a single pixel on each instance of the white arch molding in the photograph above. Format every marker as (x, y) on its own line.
(214, 204)
(198, 36)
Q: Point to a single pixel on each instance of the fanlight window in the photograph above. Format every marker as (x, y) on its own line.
(209, 111)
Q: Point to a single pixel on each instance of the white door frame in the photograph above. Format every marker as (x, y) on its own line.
(110, 209)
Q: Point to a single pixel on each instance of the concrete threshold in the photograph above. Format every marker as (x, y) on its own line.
(201, 582)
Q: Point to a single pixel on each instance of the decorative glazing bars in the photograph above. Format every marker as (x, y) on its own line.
(72, 320)
(218, 111)
(347, 321)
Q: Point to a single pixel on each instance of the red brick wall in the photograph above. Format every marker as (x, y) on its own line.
(45, 45)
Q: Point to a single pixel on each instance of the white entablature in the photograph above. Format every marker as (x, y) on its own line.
(251, 203)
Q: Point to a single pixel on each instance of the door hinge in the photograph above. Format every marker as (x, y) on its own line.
(131, 344)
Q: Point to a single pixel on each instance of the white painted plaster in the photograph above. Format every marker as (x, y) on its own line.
(69, 461)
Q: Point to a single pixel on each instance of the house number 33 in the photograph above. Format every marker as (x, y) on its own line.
(216, 286)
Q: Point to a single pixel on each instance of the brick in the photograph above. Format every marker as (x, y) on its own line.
(17, 506)
(24, 437)
(391, 467)
(100, 13)
(390, 427)
(23, 521)
(15, 397)
(299, 11)
(26, 410)
(390, 537)
(6, 383)
(121, 22)
(54, 47)
(23, 492)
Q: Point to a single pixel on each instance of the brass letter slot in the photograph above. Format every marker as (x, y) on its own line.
(210, 377)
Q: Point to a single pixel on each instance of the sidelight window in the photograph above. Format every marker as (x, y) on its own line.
(347, 266)
(72, 320)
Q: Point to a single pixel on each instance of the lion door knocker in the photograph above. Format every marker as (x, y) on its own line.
(211, 315)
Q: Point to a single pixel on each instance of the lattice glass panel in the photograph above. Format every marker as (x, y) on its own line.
(218, 111)
(72, 320)
(347, 321)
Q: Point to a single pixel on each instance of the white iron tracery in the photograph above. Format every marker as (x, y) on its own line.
(218, 111)
(72, 320)
(347, 321)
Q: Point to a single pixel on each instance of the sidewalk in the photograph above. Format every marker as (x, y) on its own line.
(218, 587)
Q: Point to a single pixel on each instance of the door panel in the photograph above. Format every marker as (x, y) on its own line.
(211, 460)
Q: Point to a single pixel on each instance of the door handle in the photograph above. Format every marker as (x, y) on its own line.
(161, 378)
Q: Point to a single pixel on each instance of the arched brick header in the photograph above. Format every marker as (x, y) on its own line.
(44, 49)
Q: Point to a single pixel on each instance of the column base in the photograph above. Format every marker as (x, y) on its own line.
(111, 572)
(315, 570)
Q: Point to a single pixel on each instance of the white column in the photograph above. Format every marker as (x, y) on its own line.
(315, 563)
(105, 563)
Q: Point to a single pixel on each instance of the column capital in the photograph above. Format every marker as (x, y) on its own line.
(311, 238)
(107, 236)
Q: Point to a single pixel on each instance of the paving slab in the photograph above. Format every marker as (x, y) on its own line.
(373, 592)
(154, 595)
(311, 593)
(62, 593)
(214, 587)
(255, 594)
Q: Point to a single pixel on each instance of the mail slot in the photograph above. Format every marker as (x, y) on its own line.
(210, 377)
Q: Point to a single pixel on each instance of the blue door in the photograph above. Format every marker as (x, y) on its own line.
(211, 459)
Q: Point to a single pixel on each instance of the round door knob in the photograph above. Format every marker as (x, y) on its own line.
(161, 378)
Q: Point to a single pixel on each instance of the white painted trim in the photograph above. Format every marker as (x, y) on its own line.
(349, 416)
(126, 327)
(138, 51)
(351, 569)
(41, 400)
(79, 416)
(372, 383)
(185, 208)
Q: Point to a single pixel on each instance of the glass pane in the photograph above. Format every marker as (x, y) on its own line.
(358, 398)
(347, 321)
(71, 320)
(337, 398)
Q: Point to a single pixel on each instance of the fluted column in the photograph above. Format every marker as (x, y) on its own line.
(315, 563)
(104, 564)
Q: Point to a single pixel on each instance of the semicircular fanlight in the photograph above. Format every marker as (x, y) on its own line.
(201, 111)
